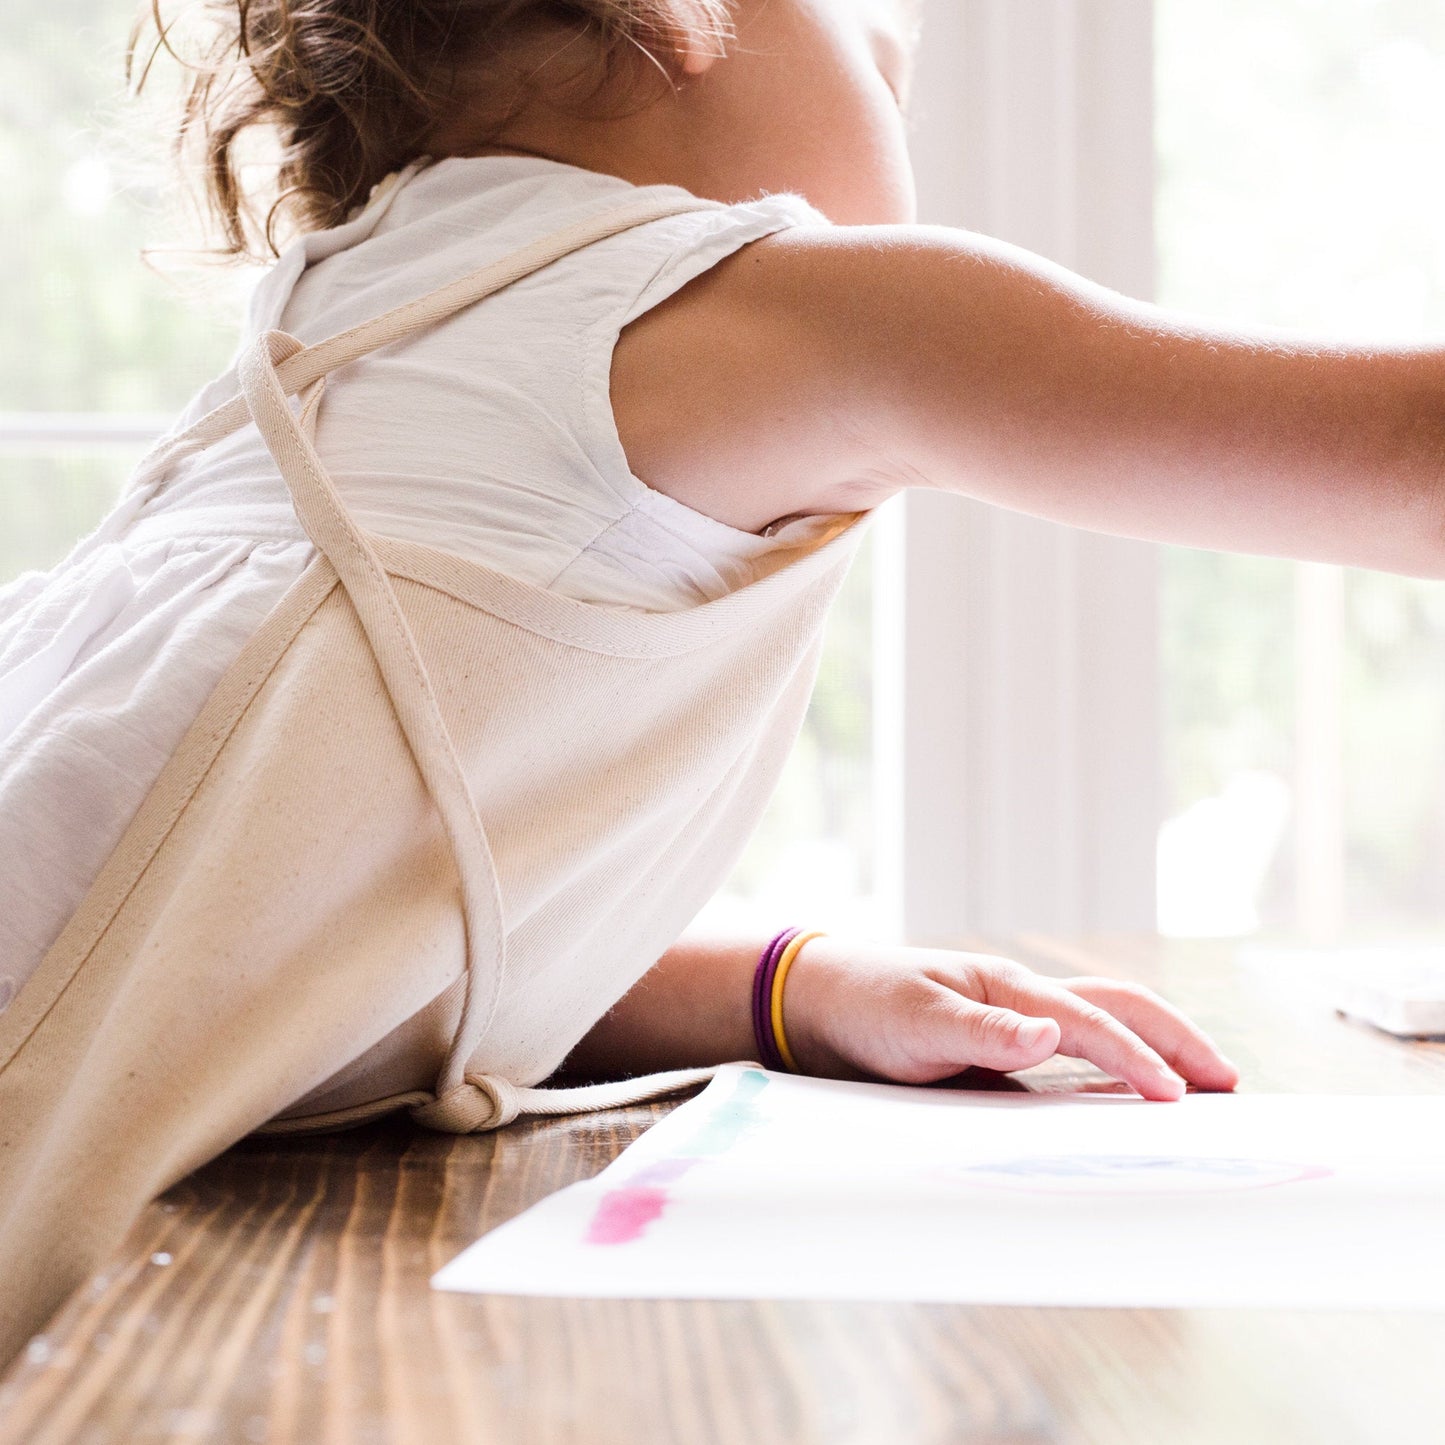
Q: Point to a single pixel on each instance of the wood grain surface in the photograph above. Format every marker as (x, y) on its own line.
(279, 1296)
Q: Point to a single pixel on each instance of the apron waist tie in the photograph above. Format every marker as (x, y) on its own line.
(480, 1101)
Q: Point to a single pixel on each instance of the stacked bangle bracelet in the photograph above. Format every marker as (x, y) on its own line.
(768, 980)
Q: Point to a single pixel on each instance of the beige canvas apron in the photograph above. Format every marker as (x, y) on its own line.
(307, 925)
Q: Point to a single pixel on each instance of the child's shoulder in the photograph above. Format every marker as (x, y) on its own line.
(726, 393)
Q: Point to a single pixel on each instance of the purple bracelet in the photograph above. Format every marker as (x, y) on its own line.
(768, 1054)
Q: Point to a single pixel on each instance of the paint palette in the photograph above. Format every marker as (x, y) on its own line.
(1399, 990)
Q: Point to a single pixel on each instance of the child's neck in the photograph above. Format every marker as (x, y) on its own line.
(679, 139)
(642, 167)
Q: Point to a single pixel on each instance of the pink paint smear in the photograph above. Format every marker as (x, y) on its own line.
(624, 1214)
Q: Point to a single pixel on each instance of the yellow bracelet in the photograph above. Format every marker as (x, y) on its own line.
(780, 1037)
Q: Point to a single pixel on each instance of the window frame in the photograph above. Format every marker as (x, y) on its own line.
(45, 431)
(1018, 717)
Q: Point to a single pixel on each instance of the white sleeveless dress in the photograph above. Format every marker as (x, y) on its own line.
(510, 457)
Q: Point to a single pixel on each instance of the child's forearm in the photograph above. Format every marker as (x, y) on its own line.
(1100, 412)
(861, 1010)
(692, 1008)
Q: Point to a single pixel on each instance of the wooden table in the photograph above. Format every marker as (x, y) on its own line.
(280, 1295)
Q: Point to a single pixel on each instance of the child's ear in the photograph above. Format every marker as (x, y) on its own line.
(696, 42)
(695, 62)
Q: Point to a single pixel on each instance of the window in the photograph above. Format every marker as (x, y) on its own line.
(98, 349)
(1304, 706)
(1275, 727)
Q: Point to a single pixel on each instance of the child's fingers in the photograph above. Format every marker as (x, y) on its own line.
(1185, 1047)
(966, 1034)
(1087, 1031)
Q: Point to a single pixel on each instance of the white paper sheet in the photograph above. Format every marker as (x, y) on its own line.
(772, 1186)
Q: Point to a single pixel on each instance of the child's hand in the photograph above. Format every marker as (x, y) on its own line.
(914, 1015)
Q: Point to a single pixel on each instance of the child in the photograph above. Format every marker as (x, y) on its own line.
(373, 749)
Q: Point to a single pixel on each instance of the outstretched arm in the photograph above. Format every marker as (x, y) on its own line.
(912, 1015)
(823, 369)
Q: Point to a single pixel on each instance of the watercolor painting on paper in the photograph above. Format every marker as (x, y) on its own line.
(774, 1186)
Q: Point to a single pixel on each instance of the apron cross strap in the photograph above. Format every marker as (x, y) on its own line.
(277, 365)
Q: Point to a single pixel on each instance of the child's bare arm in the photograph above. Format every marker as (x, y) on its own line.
(867, 1010)
(823, 369)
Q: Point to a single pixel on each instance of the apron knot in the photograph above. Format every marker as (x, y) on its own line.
(482, 1101)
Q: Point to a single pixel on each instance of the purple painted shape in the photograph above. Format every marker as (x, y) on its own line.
(624, 1214)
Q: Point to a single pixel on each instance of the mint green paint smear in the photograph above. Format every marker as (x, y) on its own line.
(737, 1116)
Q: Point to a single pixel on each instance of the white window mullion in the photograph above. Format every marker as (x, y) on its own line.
(1022, 787)
(36, 431)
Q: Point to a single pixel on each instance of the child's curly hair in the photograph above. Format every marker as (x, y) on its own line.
(348, 90)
